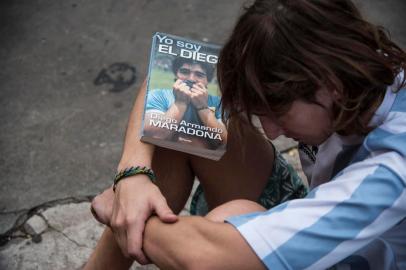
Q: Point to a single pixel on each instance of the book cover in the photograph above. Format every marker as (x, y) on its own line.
(182, 105)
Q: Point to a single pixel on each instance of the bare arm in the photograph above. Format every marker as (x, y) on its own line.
(135, 151)
(197, 243)
(209, 119)
(135, 198)
(174, 113)
(199, 98)
(202, 243)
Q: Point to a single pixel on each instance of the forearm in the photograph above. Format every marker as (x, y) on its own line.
(136, 152)
(209, 119)
(197, 243)
(174, 115)
(163, 243)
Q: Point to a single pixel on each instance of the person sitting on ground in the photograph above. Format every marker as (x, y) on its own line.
(316, 71)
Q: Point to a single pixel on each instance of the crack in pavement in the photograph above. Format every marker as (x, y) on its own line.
(61, 232)
(28, 213)
(13, 212)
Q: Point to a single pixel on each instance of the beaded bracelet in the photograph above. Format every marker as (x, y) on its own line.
(133, 171)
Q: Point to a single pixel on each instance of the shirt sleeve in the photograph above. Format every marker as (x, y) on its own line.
(339, 217)
(215, 102)
(158, 100)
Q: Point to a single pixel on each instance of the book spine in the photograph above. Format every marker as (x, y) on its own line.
(151, 59)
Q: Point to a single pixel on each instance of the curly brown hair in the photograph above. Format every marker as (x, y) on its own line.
(285, 50)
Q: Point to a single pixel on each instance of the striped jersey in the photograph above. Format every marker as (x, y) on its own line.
(354, 217)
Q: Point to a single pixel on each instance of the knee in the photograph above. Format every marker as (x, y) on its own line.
(233, 208)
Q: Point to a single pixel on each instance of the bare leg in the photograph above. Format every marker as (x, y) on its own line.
(241, 174)
(174, 176)
(107, 254)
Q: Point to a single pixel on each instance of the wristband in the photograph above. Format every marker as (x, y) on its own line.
(133, 171)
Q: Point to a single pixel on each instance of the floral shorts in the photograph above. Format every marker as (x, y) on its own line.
(283, 184)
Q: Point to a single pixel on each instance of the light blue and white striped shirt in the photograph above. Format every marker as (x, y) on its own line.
(355, 215)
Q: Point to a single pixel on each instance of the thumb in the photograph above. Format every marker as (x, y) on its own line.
(165, 213)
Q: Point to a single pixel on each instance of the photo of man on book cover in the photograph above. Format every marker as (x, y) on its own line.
(182, 109)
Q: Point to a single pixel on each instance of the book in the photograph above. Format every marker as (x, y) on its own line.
(182, 104)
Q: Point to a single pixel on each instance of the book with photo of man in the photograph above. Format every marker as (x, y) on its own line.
(182, 105)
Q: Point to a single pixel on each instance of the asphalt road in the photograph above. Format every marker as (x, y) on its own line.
(61, 128)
